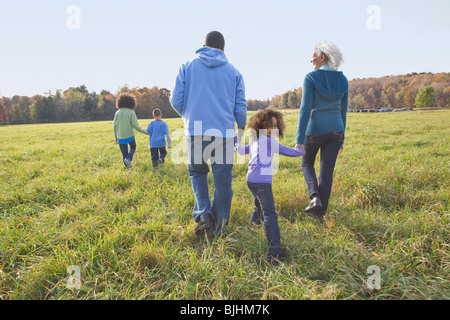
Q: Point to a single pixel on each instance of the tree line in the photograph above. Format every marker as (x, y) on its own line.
(413, 90)
(78, 104)
(423, 90)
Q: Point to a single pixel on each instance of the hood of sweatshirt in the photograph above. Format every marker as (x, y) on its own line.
(211, 57)
(331, 85)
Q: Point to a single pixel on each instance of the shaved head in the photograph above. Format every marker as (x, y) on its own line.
(215, 39)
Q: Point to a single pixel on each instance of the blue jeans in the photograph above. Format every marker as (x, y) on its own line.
(158, 153)
(265, 211)
(329, 145)
(124, 149)
(220, 151)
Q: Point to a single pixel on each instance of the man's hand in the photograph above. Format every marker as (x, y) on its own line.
(240, 134)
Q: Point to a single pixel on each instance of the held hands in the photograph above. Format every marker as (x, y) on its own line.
(239, 134)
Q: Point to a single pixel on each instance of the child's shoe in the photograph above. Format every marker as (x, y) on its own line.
(127, 163)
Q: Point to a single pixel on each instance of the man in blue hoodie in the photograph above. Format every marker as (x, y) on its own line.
(209, 95)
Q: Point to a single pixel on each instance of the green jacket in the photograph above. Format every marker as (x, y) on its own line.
(125, 121)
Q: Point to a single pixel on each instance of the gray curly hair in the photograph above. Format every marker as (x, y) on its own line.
(332, 52)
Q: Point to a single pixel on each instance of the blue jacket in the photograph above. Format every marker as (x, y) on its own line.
(158, 131)
(209, 95)
(324, 104)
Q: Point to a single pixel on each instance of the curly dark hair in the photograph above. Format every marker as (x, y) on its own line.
(263, 120)
(126, 100)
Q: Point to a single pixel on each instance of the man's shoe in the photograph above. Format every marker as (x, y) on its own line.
(205, 224)
(314, 206)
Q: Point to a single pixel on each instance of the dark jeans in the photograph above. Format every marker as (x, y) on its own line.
(220, 151)
(329, 145)
(265, 212)
(158, 153)
(124, 149)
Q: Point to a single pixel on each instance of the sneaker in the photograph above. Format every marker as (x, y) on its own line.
(314, 206)
(160, 161)
(127, 163)
(205, 225)
(255, 223)
(281, 257)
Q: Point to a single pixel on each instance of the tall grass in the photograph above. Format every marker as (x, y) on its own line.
(66, 200)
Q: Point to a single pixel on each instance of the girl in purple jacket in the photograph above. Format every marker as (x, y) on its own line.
(265, 126)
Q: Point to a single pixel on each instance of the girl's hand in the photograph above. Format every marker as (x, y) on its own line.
(117, 142)
(341, 148)
(300, 146)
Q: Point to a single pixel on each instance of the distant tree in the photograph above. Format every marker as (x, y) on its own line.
(73, 105)
(106, 105)
(164, 104)
(283, 104)
(390, 97)
(446, 92)
(292, 100)
(425, 98)
(38, 110)
(4, 113)
(369, 99)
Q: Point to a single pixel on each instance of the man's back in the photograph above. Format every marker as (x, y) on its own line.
(211, 92)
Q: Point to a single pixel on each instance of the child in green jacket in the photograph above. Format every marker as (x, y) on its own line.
(125, 121)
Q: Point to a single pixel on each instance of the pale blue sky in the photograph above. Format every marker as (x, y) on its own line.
(143, 43)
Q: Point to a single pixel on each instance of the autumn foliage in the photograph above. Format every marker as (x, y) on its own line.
(78, 104)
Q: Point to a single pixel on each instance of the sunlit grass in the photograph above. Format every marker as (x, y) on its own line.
(66, 200)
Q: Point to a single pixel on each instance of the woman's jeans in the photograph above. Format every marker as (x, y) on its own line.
(124, 149)
(329, 145)
(220, 152)
(265, 212)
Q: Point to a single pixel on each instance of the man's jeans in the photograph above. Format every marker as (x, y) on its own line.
(124, 150)
(220, 151)
(265, 212)
(329, 145)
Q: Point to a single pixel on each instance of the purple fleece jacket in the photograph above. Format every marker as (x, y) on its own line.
(260, 167)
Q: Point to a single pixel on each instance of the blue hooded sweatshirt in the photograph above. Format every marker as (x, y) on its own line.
(209, 95)
(324, 104)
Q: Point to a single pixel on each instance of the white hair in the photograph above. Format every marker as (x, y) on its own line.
(332, 52)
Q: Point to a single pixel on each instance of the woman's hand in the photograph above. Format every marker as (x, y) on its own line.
(341, 148)
(300, 146)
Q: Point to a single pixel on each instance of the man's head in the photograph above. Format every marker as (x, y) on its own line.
(215, 39)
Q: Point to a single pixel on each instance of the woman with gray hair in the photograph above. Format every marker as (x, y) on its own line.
(321, 123)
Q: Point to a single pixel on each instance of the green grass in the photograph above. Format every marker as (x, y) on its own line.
(66, 200)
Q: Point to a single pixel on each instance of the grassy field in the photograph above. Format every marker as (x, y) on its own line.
(66, 200)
